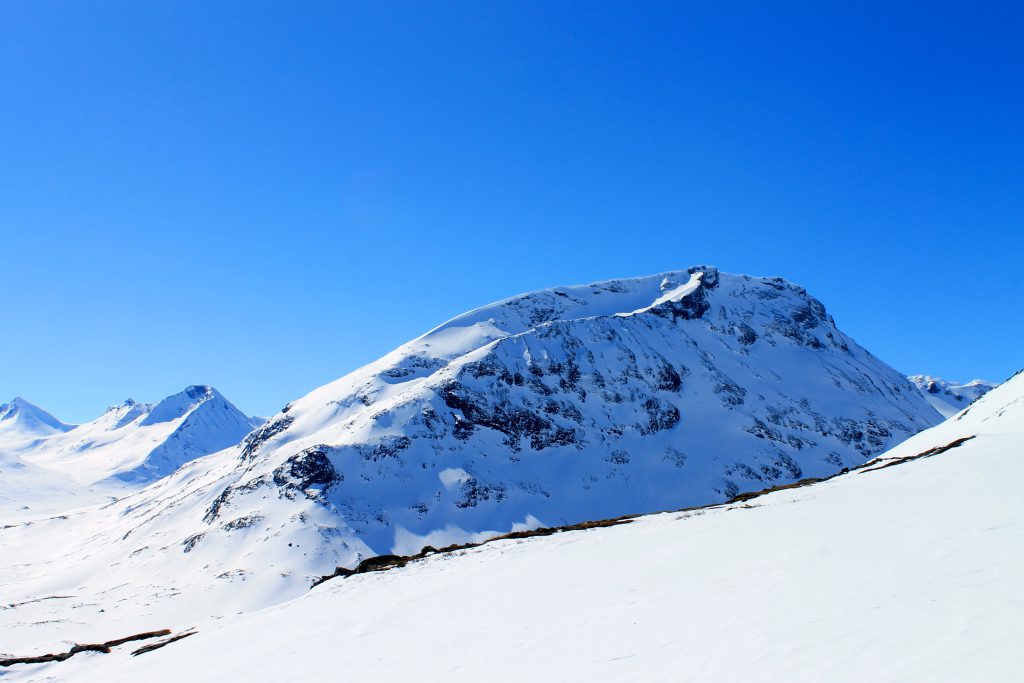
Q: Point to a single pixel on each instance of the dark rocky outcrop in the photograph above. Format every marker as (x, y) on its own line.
(252, 443)
(309, 472)
(380, 563)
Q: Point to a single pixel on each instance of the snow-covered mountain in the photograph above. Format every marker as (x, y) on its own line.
(907, 569)
(139, 442)
(567, 404)
(48, 467)
(949, 398)
(21, 421)
(578, 403)
(133, 442)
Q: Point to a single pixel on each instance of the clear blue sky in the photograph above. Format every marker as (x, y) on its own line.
(265, 196)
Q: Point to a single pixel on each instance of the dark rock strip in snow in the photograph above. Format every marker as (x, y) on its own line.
(88, 647)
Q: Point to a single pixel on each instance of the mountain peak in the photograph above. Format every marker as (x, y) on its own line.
(176, 405)
(132, 442)
(29, 419)
(200, 391)
(543, 409)
(16, 403)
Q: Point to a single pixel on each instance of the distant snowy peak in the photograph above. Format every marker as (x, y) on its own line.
(136, 442)
(949, 398)
(122, 415)
(21, 419)
(176, 405)
(170, 409)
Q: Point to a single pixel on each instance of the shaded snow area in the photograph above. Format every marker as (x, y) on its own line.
(544, 409)
(47, 466)
(905, 570)
(949, 398)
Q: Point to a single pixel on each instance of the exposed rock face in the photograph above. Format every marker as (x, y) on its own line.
(309, 472)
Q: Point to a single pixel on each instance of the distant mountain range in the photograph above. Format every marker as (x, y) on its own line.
(126, 447)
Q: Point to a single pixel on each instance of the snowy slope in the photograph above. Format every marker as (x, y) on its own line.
(907, 570)
(573, 403)
(28, 491)
(949, 398)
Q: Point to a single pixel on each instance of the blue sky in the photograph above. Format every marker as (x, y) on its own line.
(265, 196)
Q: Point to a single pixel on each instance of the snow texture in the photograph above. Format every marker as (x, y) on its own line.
(890, 573)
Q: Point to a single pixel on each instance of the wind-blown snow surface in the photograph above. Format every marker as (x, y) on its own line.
(949, 398)
(574, 403)
(904, 573)
(47, 466)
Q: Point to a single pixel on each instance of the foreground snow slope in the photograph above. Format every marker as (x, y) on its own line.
(949, 398)
(910, 572)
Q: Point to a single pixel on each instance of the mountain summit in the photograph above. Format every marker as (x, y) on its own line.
(21, 420)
